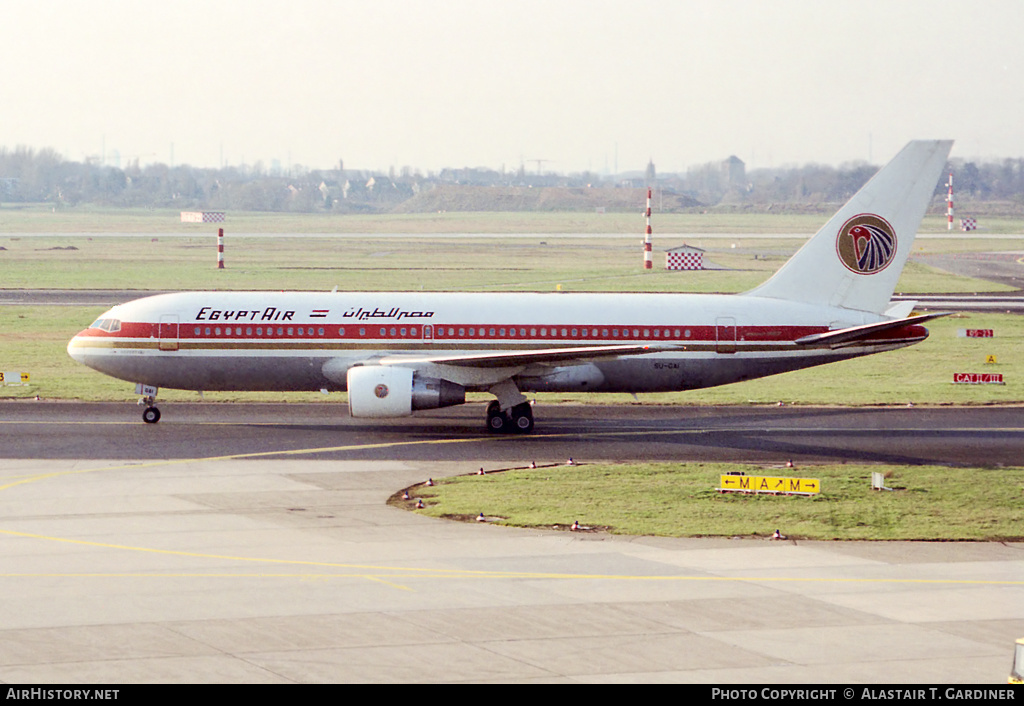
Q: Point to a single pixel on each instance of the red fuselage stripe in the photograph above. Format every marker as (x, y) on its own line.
(457, 332)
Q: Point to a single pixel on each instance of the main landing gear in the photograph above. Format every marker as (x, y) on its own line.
(517, 420)
(150, 415)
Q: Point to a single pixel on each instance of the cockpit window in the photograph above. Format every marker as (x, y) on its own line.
(109, 325)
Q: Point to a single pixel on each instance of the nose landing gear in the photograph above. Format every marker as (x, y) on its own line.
(150, 415)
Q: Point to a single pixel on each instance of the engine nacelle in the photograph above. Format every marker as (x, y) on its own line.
(393, 391)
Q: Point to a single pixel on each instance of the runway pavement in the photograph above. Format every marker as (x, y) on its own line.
(239, 543)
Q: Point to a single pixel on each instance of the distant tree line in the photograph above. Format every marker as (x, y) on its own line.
(33, 176)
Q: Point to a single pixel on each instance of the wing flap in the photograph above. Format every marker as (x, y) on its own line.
(504, 359)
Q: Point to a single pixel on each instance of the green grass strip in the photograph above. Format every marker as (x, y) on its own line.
(681, 500)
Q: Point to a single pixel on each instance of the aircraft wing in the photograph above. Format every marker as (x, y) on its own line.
(858, 334)
(504, 359)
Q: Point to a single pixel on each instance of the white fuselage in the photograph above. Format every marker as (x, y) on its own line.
(309, 340)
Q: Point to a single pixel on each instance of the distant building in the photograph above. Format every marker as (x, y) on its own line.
(734, 171)
(711, 181)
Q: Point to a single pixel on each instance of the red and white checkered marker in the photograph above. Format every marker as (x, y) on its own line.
(967, 224)
(202, 216)
(684, 261)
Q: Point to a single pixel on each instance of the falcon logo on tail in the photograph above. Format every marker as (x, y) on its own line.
(866, 244)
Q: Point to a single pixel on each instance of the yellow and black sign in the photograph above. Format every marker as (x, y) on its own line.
(10, 378)
(770, 484)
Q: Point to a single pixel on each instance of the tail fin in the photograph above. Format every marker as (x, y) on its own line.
(855, 260)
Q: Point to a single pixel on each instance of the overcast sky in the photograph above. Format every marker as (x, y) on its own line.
(581, 84)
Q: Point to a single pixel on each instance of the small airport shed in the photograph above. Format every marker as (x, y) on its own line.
(685, 257)
(202, 216)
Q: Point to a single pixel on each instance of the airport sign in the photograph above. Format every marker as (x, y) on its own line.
(769, 484)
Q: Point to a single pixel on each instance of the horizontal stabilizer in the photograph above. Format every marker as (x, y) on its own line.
(856, 334)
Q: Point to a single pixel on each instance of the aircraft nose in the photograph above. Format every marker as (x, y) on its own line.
(75, 348)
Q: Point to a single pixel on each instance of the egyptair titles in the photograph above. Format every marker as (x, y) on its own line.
(394, 313)
(272, 313)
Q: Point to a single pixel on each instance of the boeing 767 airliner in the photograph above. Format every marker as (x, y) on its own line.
(398, 352)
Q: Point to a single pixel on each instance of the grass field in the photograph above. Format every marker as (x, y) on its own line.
(541, 263)
(928, 502)
(33, 339)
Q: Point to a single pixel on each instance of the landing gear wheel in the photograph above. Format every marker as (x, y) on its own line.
(522, 418)
(518, 420)
(497, 421)
(151, 415)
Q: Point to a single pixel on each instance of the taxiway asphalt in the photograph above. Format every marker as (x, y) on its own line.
(910, 435)
(253, 543)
